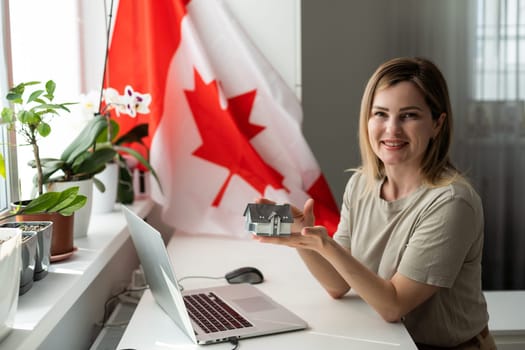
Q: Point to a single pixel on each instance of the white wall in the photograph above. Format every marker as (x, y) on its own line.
(275, 27)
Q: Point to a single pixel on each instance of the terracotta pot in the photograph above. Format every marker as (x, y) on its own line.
(62, 236)
(83, 215)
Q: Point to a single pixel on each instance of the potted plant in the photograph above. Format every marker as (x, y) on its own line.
(10, 259)
(130, 103)
(87, 156)
(77, 166)
(37, 244)
(29, 116)
(98, 146)
(57, 207)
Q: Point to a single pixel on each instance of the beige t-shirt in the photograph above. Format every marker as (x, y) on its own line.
(434, 236)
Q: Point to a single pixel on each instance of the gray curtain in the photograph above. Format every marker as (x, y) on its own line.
(494, 145)
(480, 46)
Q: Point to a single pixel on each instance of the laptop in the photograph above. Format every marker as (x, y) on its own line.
(209, 315)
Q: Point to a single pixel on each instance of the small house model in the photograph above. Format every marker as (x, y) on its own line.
(269, 219)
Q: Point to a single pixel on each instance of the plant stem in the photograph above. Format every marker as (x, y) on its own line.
(108, 33)
(36, 153)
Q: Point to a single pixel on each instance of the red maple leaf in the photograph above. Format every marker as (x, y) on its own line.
(226, 135)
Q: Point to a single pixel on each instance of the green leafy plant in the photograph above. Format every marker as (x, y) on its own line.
(64, 203)
(94, 147)
(107, 132)
(108, 138)
(80, 160)
(29, 115)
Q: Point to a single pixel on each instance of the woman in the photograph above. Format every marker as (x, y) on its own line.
(410, 237)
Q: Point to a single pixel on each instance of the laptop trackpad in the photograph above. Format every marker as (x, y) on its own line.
(254, 304)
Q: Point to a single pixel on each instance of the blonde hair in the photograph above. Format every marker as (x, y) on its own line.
(436, 166)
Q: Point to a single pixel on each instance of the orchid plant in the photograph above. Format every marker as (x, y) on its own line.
(129, 103)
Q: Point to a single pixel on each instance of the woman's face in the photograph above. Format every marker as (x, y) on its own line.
(400, 126)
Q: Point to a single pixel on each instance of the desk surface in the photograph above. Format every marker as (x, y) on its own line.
(333, 324)
(506, 312)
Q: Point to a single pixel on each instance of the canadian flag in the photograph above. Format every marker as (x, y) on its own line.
(225, 129)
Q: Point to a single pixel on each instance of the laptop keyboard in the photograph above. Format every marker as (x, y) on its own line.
(212, 314)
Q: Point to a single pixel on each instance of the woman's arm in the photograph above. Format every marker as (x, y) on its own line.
(325, 273)
(336, 269)
(392, 298)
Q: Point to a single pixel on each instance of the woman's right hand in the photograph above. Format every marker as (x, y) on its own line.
(302, 218)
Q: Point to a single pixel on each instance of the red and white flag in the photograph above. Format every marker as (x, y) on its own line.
(225, 127)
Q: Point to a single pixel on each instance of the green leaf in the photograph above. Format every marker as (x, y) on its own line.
(84, 140)
(125, 193)
(44, 129)
(49, 167)
(136, 134)
(99, 185)
(78, 203)
(65, 203)
(29, 117)
(35, 95)
(7, 115)
(103, 136)
(96, 161)
(66, 198)
(50, 89)
(142, 161)
(14, 97)
(42, 203)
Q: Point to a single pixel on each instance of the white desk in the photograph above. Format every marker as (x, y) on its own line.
(348, 323)
(507, 323)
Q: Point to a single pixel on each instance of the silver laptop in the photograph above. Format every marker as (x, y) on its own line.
(208, 315)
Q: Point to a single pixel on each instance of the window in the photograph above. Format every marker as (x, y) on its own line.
(58, 59)
(500, 50)
(8, 187)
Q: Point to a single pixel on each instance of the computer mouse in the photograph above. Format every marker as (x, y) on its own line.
(245, 274)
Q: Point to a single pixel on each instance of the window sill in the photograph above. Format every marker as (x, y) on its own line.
(70, 299)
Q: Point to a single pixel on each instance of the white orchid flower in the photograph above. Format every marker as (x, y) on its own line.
(115, 101)
(136, 102)
(130, 103)
(89, 102)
